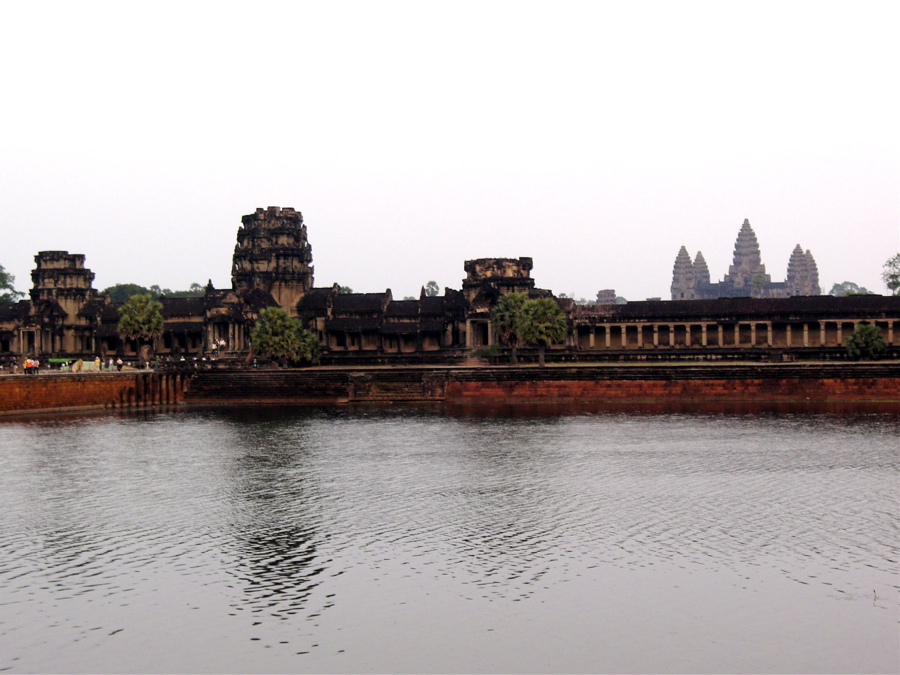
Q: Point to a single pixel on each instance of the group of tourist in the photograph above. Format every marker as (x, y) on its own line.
(32, 366)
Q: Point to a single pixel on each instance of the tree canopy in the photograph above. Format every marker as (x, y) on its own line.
(866, 342)
(141, 319)
(432, 289)
(848, 288)
(507, 320)
(121, 292)
(282, 338)
(891, 274)
(8, 292)
(543, 323)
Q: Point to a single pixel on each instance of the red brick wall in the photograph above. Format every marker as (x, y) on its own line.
(19, 393)
(852, 389)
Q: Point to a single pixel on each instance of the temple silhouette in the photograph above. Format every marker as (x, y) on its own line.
(747, 274)
(745, 316)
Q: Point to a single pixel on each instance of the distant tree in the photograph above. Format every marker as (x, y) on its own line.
(848, 288)
(620, 300)
(409, 297)
(432, 289)
(121, 292)
(866, 342)
(194, 291)
(282, 338)
(507, 320)
(345, 289)
(543, 323)
(891, 274)
(8, 292)
(758, 283)
(140, 319)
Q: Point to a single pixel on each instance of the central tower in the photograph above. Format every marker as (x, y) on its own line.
(273, 255)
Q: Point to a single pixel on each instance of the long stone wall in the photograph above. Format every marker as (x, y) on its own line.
(67, 391)
(771, 382)
(477, 386)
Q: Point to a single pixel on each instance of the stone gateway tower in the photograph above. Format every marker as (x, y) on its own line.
(273, 255)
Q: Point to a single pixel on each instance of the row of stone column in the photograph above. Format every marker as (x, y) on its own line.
(713, 334)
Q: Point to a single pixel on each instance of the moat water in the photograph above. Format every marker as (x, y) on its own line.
(400, 539)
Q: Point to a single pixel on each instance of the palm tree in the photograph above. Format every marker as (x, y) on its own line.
(140, 318)
(507, 320)
(543, 323)
(278, 336)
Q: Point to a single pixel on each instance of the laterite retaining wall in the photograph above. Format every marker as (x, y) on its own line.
(67, 391)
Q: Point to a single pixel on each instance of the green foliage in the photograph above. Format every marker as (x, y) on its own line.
(866, 343)
(848, 288)
(345, 290)
(8, 292)
(507, 320)
(891, 274)
(121, 292)
(140, 318)
(487, 353)
(282, 338)
(432, 289)
(194, 291)
(543, 323)
(758, 283)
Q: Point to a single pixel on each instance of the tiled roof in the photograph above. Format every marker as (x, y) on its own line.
(315, 298)
(404, 308)
(183, 307)
(432, 305)
(359, 302)
(402, 327)
(258, 299)
(15, 311)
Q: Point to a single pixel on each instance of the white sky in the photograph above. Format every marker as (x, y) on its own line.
(595, 137)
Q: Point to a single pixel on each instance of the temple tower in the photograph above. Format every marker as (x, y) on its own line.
(684, 283)
(504, 275)
(64, 305)
(273, 255)
(747, 261)
(701, 269)
(813, 271)
(61, 277)
(802, 274)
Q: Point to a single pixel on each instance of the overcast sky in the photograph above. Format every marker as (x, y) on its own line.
(597, 138)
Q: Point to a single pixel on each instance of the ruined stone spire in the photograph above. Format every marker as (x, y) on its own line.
(273, 255)
(701, 269)
(747, 260)
(814, 287)
(796, 272)
(683, 281)
(802, 274)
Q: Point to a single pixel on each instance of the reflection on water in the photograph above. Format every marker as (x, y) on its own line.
(601, 538)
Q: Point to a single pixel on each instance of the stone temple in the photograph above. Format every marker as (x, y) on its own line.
(746, 276)
(745, 316)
